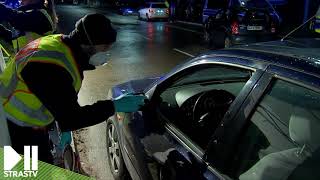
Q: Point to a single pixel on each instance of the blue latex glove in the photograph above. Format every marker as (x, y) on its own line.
(128, 103)
(65, 139)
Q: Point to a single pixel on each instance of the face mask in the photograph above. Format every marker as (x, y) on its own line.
(99, 58)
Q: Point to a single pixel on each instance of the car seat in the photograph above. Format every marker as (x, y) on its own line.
(304, 130)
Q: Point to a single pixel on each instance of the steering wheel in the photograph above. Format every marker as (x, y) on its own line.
(210, 108)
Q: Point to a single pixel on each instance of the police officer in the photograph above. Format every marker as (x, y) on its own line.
(42, 83)
(33, 19)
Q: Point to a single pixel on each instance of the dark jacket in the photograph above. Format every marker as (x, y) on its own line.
(26, 19)
(53, 86)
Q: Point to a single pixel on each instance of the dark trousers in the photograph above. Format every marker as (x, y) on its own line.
(26, 136)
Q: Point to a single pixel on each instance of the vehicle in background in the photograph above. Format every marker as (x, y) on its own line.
(128, 8)
(228, 22)
(12, 3)
(247, 112)
(125, 11)
(154, 10)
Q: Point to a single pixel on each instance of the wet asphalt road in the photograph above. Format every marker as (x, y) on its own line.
(142, 49)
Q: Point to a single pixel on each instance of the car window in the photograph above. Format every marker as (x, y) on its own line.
(158, 6)
(217, 4)
(213, 74)
(282, 139)
(197, 102)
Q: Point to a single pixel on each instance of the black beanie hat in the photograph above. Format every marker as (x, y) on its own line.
(97, 27)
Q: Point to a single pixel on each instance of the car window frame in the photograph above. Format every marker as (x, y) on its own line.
(187, 143)
(183, 138)
(271, 74)
(159, 88)
(223, 59)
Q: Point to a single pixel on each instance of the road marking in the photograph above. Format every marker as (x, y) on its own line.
(184, 29)
(182, 52)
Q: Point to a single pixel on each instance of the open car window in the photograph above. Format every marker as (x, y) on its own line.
(213, 74)
(197, 102)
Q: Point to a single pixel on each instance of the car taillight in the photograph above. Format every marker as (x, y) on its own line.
(151, 10)
(235, 27)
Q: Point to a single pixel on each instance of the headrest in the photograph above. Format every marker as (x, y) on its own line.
(304, 127)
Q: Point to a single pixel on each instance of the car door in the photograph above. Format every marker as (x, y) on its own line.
(173, 139)
(275, 133)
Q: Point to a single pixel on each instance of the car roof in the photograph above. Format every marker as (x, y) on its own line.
(299, 54)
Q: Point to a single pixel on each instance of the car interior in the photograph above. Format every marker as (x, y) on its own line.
(282, 136)
(196, 106)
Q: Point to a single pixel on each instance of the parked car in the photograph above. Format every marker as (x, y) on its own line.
(128, 8)
(125, 11)
(154, 10)
(12, 3)
(249, 112)
(228, 22)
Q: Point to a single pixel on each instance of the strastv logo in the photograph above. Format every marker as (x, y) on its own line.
(12, 158)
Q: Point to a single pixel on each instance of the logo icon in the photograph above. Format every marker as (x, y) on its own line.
(12, 158)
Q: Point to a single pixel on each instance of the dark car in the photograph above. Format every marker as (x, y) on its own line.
(228, 22)
(249, 112)
(128, 8)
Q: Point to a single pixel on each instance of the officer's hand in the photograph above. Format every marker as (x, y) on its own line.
(128, 103)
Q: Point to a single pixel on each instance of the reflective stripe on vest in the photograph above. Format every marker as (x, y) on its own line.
(22, 106)
(21, 41)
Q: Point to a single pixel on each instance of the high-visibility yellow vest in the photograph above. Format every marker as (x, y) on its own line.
(20, 104)
(317, 22)
(21, 41)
